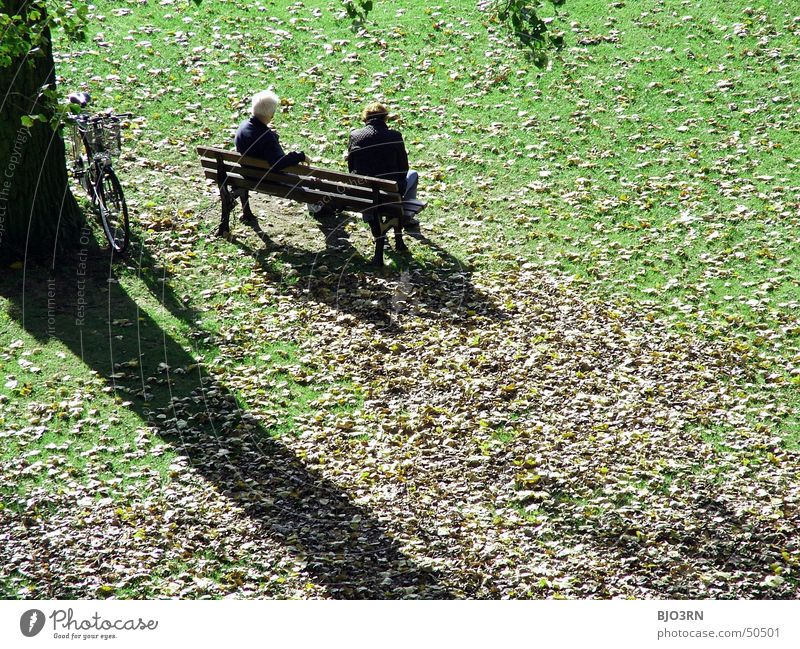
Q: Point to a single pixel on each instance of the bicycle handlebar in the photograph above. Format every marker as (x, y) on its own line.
(90, 119)
(83, 99)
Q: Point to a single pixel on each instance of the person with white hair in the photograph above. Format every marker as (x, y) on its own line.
(254, 138)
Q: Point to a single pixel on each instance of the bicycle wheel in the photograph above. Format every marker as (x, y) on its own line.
(87, 176)
(113, 210)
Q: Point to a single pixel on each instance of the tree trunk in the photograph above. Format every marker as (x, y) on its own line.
(39, 217)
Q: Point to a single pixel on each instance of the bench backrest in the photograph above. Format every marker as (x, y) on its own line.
(302, 183)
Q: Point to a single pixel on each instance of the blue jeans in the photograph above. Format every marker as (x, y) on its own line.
(412, 180)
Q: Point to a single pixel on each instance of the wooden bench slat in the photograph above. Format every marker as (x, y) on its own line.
(307, 195)
(352, 180)
(326, 174)
(299, 180)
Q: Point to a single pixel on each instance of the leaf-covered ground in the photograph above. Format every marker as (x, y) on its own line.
(582, 383)
(471, 434)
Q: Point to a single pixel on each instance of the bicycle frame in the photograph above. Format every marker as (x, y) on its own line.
(95, 160)
(95, 141)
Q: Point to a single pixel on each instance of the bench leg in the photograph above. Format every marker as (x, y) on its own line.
(225, 223)
(247, 213)
(399, 244)
(227, 205)
(380, 241)
(380, 229)
(377, 259)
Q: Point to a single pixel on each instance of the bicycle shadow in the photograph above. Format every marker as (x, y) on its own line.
(347, 550)
(159, 280)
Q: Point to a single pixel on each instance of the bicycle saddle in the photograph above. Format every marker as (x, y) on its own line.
(80, 98)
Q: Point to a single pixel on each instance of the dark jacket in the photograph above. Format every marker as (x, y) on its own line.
(378, 151)
(255, 139)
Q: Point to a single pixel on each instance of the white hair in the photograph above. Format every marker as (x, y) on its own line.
(264, 105)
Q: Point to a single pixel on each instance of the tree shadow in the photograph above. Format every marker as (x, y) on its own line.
(86, 309)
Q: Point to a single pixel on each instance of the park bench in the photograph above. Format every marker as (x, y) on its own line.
(376, 199)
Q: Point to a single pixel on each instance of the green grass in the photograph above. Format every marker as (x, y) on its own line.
(658, 164)
(621, 109)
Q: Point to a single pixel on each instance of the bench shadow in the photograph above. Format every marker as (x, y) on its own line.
(345, 548)
(437, 287)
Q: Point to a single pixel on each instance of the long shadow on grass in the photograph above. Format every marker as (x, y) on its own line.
(438, 286)
(346, 550)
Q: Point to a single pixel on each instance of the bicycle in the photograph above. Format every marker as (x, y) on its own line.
(95, 141)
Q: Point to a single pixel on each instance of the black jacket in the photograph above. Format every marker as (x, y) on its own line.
(378, 151)
(255, 139)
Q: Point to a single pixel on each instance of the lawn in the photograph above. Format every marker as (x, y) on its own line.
(583, 383)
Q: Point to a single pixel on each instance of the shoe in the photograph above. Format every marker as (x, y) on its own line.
(409, 223)
(320, 211)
